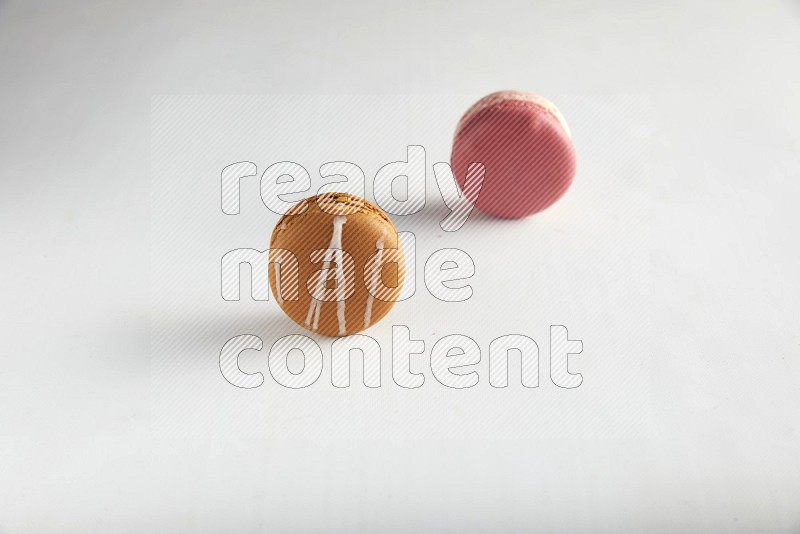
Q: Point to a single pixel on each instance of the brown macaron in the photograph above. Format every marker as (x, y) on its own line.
(336, 264)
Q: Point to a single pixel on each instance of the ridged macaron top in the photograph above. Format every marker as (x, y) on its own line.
(500, 97)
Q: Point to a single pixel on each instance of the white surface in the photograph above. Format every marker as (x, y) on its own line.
(700, 436)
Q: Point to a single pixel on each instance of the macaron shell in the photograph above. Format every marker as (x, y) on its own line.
(503, 96)
(312, 230)
(526, 149)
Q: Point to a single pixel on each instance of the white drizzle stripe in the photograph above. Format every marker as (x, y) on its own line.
(278, 293)
(373, 282)
(336, 243)
(316, 306)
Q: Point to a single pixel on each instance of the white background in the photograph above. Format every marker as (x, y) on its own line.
(673, 258)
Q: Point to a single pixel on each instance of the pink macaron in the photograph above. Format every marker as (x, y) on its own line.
(526, 148)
